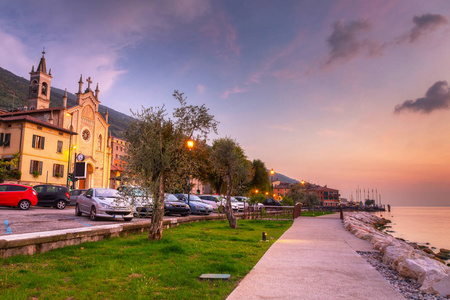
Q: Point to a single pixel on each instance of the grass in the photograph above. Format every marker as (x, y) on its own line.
(132, 267)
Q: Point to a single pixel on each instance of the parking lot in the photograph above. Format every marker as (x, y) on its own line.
(38, 219)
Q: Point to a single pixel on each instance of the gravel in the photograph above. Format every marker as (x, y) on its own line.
(408, 287)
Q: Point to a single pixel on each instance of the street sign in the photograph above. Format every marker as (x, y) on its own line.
(80, 169)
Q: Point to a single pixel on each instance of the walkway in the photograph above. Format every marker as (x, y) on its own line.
(315, 259)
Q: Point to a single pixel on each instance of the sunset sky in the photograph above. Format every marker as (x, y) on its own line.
(338, 93)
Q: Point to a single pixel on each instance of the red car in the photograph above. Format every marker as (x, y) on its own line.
(22, 196)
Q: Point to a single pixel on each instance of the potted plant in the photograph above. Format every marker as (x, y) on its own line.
(57, 175)
(36, 173)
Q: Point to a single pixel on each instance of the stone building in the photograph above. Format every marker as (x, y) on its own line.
(49, 139)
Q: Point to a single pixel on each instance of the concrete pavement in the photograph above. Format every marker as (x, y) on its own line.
(315, 259)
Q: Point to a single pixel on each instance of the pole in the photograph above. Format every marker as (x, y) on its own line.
(70, 148)
(189, 179)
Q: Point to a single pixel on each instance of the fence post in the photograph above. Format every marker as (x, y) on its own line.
(297, 210)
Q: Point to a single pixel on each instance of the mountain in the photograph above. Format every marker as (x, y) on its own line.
(284, 178)
(14, 93)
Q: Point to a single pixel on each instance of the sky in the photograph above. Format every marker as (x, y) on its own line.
(346, 94)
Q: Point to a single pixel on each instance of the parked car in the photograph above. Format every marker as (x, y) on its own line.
(242, 199)
(235, 205)
(73, 196)
(271, 202)
(198, 207)
(140, 200)
(174, 206)
(22, 196)
(52, 195)
(99, 202)
(213, 200)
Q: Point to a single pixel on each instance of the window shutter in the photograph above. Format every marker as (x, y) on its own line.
(42, 144)
(1, 139)
(40, 167)
(54, 170)
(31, 167)
(7, 139)
(34, 141)
(61, 170)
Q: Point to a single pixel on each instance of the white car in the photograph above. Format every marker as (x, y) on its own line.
(213, 200)
(140, 199)
(245, 201)
(235, 205)
(99, 202)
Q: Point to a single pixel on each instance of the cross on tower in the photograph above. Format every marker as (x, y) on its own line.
(89, 81)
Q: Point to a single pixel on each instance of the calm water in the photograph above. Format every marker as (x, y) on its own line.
(421, 224)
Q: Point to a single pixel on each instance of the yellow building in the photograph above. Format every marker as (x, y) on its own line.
(49, 138)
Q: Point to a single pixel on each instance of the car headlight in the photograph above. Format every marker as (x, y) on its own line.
(169, 205)
(105, 205)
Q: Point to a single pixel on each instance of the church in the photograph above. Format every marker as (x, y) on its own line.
(50, 140)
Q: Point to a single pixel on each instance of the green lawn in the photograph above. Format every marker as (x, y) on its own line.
(134, 268)
(316, 213)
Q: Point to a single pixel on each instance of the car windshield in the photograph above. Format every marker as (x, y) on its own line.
(194, 198)
(170, 197)
(109, 193)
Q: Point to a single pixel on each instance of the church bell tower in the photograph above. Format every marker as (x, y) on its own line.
(40, 84)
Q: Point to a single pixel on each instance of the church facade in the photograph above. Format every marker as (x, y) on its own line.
(50, 140)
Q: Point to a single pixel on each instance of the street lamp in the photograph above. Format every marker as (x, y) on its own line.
(271, 172)
(190, 145)
(70, 148)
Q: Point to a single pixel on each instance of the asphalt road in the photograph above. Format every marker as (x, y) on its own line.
(38, 219)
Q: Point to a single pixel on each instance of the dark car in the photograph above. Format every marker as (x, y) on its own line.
(52, 195)
(73, 196)
(22, 196)
(173, 206)
(271, 202)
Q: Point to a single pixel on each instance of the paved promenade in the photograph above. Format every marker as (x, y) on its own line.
(315, 259)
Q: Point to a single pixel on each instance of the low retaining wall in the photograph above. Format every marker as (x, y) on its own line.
(32, 243)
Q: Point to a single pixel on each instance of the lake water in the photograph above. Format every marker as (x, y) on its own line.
(421, 224)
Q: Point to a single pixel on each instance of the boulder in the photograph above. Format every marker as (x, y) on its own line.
(442, 287)
(443, 250)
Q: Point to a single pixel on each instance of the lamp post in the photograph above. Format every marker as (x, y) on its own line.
(190, 145)
(70, 148)
(271, 172)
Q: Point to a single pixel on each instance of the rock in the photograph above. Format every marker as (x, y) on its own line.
(428, 250)
(443, 286)
(442, 255)
(444, 250)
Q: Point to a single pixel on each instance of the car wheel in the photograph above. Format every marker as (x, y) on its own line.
(77, 210)
(61, 204)
(93, 213)
(127, 219)
(24, 204)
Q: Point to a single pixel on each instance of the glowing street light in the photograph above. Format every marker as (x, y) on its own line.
(190, 145)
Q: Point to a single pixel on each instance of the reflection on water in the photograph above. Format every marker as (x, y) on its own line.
(420, 224)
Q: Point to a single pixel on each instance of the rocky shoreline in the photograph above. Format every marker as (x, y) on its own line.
(410, 269)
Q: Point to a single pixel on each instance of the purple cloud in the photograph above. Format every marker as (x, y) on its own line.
(437, 97)
(425, 23)
(345, 42)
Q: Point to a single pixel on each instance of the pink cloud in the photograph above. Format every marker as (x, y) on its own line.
(235, 90)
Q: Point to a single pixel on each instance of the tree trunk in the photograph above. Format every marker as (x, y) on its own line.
(228, 210)
(156, 228)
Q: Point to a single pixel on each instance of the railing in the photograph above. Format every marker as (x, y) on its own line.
(269, 212)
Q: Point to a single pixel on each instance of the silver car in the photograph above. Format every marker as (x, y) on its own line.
(99, 202)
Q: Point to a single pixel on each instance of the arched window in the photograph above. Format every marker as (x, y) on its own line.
(100, 141)
(44, 89)
(34, 87)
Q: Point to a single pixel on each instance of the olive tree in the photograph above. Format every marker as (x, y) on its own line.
(229, 163)
(156, 151)
(297, 193)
